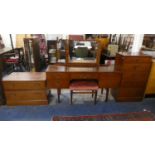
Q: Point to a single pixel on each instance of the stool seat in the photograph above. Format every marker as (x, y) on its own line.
(83, 85)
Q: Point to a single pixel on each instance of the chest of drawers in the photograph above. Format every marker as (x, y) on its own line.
(135, 70)
(28, 88)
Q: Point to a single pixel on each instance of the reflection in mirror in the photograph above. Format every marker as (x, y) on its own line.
(61, 53)
(56, 51)
(83, 51)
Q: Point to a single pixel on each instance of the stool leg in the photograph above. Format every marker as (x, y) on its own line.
(101, 90)
(92, 93)
(71, 95)
(107, 94)
(58, 92)
(95, 97)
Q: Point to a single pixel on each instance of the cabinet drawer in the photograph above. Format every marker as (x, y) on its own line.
(134, 76)
(134, 84)
(137, 59)
(129, 99)
(57, 83)
(137, 68)
(25, 95)
(131, 92)
(24, 85)
(83, 76)
(29, 102)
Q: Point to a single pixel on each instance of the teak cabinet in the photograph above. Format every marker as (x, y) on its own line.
(25, 88)
(135, 70)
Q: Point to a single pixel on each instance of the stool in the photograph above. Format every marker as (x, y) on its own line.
(84, 87)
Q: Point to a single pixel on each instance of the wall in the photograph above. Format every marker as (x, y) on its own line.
(6, 39)
(54, 36)
(7, 42)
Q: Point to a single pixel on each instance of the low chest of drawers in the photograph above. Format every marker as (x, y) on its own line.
(26, 88)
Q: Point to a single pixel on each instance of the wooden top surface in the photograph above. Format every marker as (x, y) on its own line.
(25, 76)
(55, 68)
(138, 54)
(5, 50)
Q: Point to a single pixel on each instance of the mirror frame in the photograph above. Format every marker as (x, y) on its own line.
(82, 64)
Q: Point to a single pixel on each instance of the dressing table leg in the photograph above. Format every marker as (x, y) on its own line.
(95, 97)
(107, 94)
(59, 92)
(71, 94)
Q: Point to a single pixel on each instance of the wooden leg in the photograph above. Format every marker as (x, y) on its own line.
(58, 92)
(101, 90)
(49, 93)
(71, 95)
(95, 97)
(92, 93)
(107, 94)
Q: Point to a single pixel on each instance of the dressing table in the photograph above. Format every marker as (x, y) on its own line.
(59, 77)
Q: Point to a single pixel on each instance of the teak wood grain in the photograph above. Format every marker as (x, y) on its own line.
(135, 69)
(25, 88)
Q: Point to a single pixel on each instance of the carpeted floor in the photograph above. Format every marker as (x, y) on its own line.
(83, 105)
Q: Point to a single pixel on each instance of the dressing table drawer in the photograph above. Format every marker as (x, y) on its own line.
(57, 76)
(57, 83)
(83, 76)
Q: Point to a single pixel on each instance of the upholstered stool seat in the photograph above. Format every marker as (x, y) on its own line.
(84, 87)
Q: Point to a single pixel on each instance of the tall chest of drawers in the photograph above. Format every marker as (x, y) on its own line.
(25, 88)
(135, 70)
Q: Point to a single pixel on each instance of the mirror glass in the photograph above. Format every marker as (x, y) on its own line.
(56, 51)
(82, 51)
